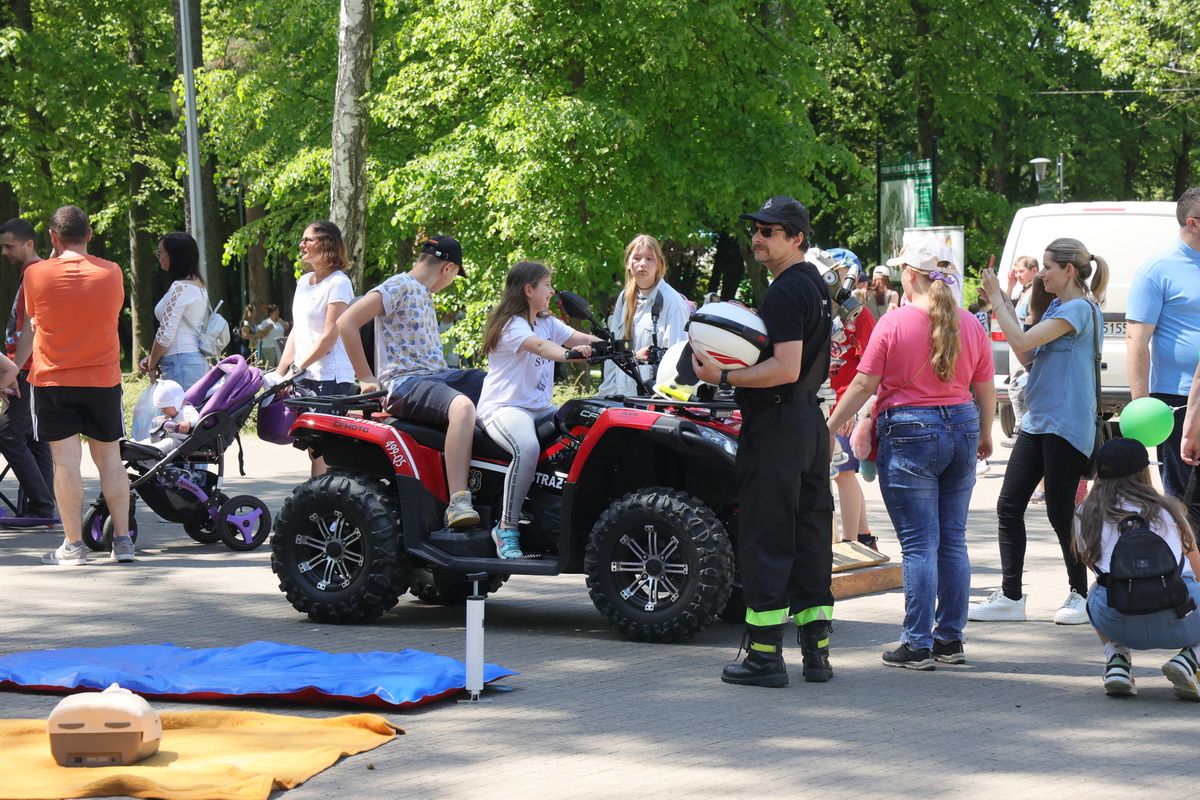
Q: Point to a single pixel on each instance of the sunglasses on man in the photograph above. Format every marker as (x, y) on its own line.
(766, 233)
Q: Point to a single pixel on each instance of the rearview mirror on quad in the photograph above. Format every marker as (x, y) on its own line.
(575, 306)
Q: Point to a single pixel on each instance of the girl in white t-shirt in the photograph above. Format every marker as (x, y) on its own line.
(522, 341)
(1122, 489)
(322, 294)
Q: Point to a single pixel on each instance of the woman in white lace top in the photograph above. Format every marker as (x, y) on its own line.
(180, 313)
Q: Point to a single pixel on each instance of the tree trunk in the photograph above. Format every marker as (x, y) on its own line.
(924, 91)
(257, 278)
(141, 243)
(351, 120)
(214, 247)
(756, 273)
(1183, 163)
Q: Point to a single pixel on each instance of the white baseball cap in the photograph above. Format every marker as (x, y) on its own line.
(925, 254)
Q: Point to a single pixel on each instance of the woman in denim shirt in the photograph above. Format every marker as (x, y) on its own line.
(923, 360)
(1058, 429)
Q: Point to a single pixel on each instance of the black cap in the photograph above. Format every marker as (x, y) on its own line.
(1121, 457)
(779, 210)
(447, 249)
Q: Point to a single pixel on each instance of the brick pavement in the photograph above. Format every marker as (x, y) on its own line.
(593, 715)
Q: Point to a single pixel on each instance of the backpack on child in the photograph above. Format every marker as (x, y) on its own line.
(1143, 576)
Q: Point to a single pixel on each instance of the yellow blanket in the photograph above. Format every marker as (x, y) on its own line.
(205, 755)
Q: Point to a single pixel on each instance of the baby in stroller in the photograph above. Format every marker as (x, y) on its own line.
(175, 422)
(181, 480)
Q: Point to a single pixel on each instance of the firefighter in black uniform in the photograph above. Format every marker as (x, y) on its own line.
(786, 508)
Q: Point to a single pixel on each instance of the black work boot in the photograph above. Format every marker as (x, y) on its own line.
(814, 646)
(763, 664)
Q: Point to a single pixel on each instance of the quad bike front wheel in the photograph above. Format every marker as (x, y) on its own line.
(97, 527)
(659, 565)
(336, 549)
(444, 588)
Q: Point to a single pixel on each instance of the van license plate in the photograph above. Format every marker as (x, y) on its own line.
(1114, 330)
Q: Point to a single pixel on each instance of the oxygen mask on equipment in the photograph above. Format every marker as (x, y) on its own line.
(841, 290)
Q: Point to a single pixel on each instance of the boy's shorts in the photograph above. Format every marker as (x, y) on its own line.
(60, 412)
(851, 464)
(427, 398)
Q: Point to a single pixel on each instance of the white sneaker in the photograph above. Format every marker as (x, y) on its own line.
(1073, 611)
(460, 513)
(998, 608)
(66, 555)
(982, 467)
(122, 549)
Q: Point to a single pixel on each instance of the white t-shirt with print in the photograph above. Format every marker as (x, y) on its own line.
(517, 378)
(310, 306)
(407, 341)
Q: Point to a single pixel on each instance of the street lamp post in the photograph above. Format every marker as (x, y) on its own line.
(1039, 173)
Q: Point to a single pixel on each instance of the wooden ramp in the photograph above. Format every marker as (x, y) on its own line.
(859, 570)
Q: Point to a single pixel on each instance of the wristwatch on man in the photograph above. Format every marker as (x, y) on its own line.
(724, 385)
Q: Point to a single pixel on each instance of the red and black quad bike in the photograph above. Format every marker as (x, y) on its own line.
(637, 493)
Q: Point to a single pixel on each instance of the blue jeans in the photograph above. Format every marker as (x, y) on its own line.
(926, 475)
(1159, 631)
(186, 369)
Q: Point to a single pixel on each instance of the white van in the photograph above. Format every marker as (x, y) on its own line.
(1123, 234)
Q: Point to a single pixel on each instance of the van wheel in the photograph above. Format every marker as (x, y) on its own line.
(1008, 420)
(444, 588)
(659, 565)
(336, 549)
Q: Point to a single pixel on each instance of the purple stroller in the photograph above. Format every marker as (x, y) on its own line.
(184, 486)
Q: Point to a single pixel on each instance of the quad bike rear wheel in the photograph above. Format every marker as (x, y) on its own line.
(659, 565)
(336, 549)
(444, 588)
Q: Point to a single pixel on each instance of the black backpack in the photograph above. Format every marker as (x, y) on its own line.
(1143, 576)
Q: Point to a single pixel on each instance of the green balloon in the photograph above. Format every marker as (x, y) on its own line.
(1148, 420)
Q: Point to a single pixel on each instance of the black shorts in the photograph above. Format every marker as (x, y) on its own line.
(60, 412)
(427, 399)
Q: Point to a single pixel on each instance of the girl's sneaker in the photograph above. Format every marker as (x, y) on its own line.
(1184, 674)
(1118, 677)
(507, 542)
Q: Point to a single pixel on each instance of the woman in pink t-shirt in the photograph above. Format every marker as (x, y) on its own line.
(922, 361)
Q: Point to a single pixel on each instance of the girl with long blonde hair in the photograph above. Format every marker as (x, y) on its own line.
(633, 316)
(1058, 429)
(922, 362)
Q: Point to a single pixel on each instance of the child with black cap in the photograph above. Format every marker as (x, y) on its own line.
(1123, 489)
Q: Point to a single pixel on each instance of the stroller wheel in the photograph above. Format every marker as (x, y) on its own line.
(97, 526)
(205, 531)
(244, 522)
(108, 531)
(93, 526)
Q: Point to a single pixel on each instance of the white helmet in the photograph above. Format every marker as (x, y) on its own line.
(729, 334)
(167, 394)
(667, 382)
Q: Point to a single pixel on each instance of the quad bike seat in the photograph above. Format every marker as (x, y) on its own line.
(482, 446)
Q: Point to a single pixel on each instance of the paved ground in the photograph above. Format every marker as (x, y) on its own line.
(593, 715)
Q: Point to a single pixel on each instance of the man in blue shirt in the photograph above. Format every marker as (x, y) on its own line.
(1163, 337)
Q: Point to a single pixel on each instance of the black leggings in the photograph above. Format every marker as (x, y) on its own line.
(1034, 456)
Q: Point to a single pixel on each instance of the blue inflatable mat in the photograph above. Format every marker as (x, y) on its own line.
(259, 669)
